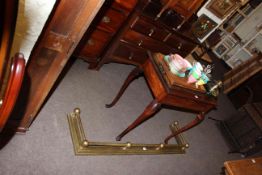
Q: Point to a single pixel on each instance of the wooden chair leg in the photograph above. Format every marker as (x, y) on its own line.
(135, 73)
(200, 117)
(151, 109)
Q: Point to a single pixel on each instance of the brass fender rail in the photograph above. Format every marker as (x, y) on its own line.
(84, 147)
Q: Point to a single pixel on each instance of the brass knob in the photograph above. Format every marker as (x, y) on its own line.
(106, 19)
(179, 46)
(131, 56)
(77, 110)
(90, 42)
(85, 143)
(140, 43)
(151, 32)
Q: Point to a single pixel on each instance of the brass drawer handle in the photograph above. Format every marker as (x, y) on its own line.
(90, 42)
(131, 56)
(151, 32)
(106, 19)
(177, 28)
(140, 43)
(179, 46)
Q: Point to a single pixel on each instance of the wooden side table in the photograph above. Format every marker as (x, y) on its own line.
(179, 94)
(244, 167)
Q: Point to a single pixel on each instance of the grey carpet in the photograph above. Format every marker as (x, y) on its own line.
(47, 147)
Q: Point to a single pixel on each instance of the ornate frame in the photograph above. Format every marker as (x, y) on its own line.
(221, 8)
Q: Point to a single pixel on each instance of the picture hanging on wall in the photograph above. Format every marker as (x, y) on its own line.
(221, 8)
(203, 26)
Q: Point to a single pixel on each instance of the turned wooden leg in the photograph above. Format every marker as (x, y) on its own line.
(151, 109)
(199, 118)
(135, 73)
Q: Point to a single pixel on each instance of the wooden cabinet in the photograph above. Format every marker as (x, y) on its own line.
(93, 45)
(132, 26)
(180, 44)
(185, 7)
(65, 27)
(130, 53)
(141, 25)
(143, 31)
(145, 42)
(106, 24)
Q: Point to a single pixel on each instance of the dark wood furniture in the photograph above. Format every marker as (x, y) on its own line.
(8, 13)
(244, 167)
(237, 76)
(144, 31)
(108, 21)
(11, 69)
(243, 130)
(146, 25)
(13, 85)
(179, 94)
(111, 38)
(65, 27)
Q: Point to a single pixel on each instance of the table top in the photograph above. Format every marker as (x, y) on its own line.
(244, 167)
(170, 79)
(179, 94)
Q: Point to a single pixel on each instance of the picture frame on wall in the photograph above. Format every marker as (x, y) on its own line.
(221, 49)
(221, 8)
(203, 26)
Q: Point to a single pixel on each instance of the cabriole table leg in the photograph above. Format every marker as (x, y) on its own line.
(151, 109)
(135, 73)
(199, 118)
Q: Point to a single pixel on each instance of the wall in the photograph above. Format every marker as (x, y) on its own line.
(205, 11)
(32, 15)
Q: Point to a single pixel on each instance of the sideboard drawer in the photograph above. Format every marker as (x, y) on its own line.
(121, 5)
(111, 21)
(150, 8)
(146, 42)
(142, 26)
(130, 53)
(180, 44)
(94, 45)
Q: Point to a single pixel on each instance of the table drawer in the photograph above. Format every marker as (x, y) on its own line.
(188, 103)
(142, 26)
(145, 42)
(180, 44)
(93, 45)
(111, 21)
(129, 53)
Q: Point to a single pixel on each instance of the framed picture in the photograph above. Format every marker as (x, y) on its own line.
(221, 8)
(203, 26)
(220, 49)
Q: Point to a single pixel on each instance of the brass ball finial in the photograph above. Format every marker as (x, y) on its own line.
(85, 143)
(77, 110)
(128, 144)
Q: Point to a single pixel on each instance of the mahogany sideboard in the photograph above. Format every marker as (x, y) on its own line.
(124, 31)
